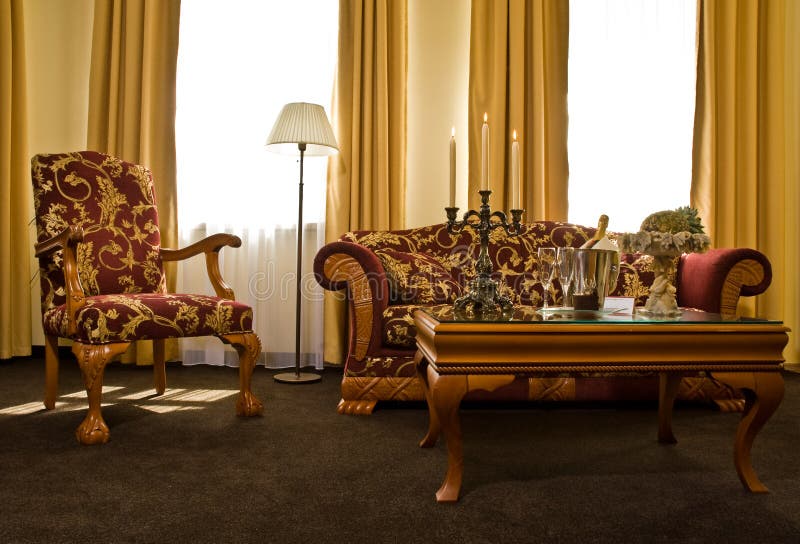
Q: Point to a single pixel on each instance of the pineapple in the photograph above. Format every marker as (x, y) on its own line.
(673, 221)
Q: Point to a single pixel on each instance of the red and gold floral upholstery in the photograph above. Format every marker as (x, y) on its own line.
(144, 316)
(390, 274)
(513, 259)
(102, 277)
(114, 204)
(417, 278)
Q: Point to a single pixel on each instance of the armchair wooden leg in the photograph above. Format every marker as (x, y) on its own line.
(92, 360)
(50, 371)
(159, 365)
(248, 346)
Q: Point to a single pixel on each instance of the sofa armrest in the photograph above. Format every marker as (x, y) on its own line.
(350, 266)
(715, 280)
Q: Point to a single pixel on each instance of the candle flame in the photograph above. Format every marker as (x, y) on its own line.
(453, 132)
(485, 117)
(515, 135)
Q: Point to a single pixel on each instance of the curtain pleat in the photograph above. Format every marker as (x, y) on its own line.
(367, 179)
(745, 166)
(518, 77)
(132, 102)
(16, 200)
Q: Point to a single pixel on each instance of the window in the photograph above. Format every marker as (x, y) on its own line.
(239, 63)
(631, 108)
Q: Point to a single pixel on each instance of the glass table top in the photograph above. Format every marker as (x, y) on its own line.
(562, 315)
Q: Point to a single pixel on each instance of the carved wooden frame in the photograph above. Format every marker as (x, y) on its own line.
(92, 358)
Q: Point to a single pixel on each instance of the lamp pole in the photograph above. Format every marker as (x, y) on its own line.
(297, 376)
(307, 126)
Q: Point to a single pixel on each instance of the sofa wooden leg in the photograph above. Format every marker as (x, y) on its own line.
(357, 407)
(248, 346)
(92, 360)
(730, 405)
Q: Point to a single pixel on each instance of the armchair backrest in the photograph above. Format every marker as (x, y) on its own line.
(113, 201)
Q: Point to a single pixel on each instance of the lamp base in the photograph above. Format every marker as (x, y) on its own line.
(297, 377)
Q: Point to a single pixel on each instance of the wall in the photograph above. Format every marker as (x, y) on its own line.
(438, 80)
(58, 38)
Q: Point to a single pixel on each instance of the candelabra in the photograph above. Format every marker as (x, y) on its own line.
(483, 300)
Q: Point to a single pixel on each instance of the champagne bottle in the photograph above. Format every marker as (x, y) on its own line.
(602, 225)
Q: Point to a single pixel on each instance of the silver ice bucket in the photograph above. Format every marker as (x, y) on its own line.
(595, 273)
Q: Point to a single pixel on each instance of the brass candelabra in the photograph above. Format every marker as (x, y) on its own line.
(483, 301)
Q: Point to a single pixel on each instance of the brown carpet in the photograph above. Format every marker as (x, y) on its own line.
(184, 469)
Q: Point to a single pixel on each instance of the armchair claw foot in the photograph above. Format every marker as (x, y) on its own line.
(247, 405)
(248, 346)
(93, 430)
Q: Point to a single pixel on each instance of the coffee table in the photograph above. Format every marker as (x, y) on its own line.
(456, 356)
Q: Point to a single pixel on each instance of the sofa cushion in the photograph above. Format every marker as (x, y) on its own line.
(398, 329)
(636, 276)
(513, 257)
(417, 278)
(140, 316)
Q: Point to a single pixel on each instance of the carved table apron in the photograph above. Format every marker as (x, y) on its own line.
(454, 357)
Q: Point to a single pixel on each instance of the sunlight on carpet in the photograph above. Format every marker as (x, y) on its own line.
(171, 401)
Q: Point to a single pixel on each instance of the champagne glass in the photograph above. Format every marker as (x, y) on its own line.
(547, 268)
(564, 258)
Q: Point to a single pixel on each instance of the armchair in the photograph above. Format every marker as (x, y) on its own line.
(103, 283)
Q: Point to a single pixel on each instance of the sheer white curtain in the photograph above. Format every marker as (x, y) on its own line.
(631, 108)
(238, 64)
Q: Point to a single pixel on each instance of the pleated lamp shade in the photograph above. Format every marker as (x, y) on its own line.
(302, 123)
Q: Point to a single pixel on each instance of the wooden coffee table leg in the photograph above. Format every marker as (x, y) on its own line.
(434, 428)
(668, 384)
(763, 393)
(446, 393)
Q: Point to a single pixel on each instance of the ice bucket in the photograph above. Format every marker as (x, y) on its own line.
(595, 274)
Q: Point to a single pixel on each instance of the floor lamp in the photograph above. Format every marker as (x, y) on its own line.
(304, 127)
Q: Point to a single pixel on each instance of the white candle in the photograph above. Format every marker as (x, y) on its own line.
(453, 168)
(515, 173)
(485, 154)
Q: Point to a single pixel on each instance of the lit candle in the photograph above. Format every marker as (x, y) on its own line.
(515, 173)
(485, 154)
(453, 168)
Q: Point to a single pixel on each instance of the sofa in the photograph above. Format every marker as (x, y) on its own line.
(388, 275)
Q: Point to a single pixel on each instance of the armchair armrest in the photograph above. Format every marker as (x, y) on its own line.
(68, 240)
(715, 280)
(210, 246)
(346, 265)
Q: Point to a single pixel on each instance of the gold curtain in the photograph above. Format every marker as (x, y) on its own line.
(132, 100)
(518, 76)
(16, 196)
(745, 174)
(367, 179)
